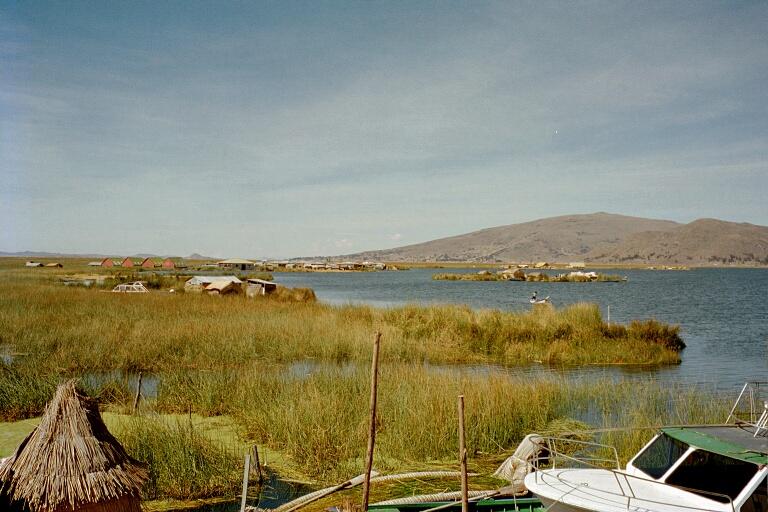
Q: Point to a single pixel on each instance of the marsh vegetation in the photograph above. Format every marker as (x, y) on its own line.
(294, 377)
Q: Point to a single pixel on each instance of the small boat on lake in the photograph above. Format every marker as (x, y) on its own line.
(713, 468)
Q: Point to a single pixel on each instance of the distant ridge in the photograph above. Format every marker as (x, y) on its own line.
(42, 254)
(598, 238)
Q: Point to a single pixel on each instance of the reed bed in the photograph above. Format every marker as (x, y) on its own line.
(295, 375)
(316, 414)
(23, 391)
(183, 464)
(77, 330)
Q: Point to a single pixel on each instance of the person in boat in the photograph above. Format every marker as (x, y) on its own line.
(533, 297)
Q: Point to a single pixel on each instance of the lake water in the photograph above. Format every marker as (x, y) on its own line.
(722, 312)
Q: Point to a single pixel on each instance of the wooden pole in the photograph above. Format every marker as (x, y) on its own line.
(138, 395)
(258, 463)
(246, 474)
(463, 458)
(372, 430)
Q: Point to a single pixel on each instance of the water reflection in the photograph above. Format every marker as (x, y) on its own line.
(273, 493)
(129, 380)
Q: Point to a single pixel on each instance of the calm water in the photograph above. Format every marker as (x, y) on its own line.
(722, 312)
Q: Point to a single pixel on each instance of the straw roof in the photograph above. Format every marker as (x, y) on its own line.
(71, 462)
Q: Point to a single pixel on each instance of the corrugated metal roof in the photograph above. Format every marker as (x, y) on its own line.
(211, 279)
(236, 261)
(219, 285)
(261, 281)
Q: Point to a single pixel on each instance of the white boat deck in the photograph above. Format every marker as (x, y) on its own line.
(604, 490)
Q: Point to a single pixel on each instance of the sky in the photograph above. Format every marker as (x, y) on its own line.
(283, 129)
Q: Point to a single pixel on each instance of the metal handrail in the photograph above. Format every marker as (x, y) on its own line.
(618, 473)
(751, 391)
(633, 497)
(554, 453)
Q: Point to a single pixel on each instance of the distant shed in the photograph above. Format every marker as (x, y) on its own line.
(256, 287)
(127, 262)
(168, 263)
(107, 262)
(94, 263)
(199, 283)
(33, 264)
(237, 264)
(148, 263)
(223, 288)
(54, 264)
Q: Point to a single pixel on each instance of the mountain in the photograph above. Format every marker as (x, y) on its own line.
(702, 242)
(598, 238)
(196, 256)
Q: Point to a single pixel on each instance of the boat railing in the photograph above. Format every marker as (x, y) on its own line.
(633, 499)
(751, 407)
(575, 451)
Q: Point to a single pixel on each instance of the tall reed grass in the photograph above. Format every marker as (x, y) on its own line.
(23, 392)
(230, 355)
(183, 464)
(317, 414)
(72, 329)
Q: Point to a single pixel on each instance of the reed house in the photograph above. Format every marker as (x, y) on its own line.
(70, 463)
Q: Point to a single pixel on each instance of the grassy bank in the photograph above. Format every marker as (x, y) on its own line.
(294, 376)
(315, 417)
(76, 329)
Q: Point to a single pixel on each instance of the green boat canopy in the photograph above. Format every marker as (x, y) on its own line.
(735, 441)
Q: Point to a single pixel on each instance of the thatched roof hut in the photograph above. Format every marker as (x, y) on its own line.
(71, 462)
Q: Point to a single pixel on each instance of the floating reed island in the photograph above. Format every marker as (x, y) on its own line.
(518, 275)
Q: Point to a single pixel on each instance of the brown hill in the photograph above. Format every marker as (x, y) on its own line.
(555, 239)
(702, 242)
(597, 238)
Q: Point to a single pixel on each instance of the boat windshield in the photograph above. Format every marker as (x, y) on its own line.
(659, 456)
(713, 472)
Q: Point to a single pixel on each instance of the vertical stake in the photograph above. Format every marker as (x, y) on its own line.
(463, 458)
(246, 471)
(258, 463)
(138, 395)
(372, 430)
(609, 315)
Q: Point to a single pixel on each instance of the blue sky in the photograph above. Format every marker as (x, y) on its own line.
(276, 129)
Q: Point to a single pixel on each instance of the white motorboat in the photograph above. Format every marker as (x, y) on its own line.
(703, 468)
